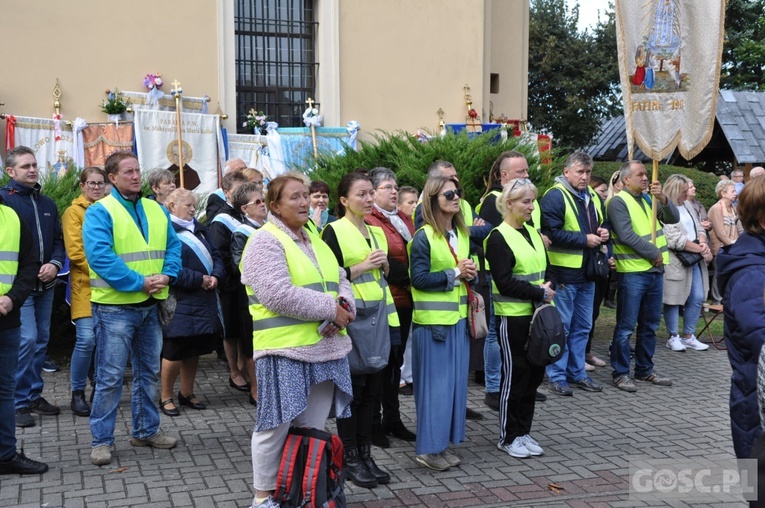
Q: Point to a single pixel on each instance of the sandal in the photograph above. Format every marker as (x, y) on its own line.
(169, 412)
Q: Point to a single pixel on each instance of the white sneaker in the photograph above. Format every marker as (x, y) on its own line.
(532, 446)
(515, 449)
(675, 344)
(693, 343)
(588, 367)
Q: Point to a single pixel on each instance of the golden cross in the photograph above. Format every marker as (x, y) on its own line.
(310, 102)
(176, 86)
(253, 112)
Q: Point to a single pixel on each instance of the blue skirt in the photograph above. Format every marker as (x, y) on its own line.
(440, 377)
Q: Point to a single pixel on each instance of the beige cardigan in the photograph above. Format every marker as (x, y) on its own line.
(678, 278)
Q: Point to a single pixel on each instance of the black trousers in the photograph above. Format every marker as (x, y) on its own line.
(357, 430)
(519, 381)
(391, 376)
(601, 289)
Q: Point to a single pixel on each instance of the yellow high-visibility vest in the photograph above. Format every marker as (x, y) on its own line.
(627, 260)
(10, 243)
(566, 256)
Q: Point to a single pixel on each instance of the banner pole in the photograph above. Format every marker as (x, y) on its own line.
(177, 91)
(654, 204)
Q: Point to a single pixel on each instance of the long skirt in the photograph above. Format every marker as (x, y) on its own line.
(440, 376)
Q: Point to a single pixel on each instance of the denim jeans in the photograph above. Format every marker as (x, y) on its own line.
(492, 358)
(35, 333)
(692, 309)
(638, 303)
(574, 303)
(124, 331)
(9, 361)
(83, 352)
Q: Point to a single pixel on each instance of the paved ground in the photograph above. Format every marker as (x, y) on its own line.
(588, 439)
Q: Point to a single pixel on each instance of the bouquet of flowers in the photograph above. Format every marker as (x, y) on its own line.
(256, 120)
(152, 81)
(115, 103)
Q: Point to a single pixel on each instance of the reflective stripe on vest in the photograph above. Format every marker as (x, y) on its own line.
(144, 257)
(370, 287)
(627, 260)
(10, 243)
(530, 264)
(275, 331)
(567, 256)
(441, 307)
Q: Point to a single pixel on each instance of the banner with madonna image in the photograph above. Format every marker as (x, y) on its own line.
(669, 64)
(57, 143)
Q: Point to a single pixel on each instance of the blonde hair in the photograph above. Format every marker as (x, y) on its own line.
(514, 190)
(674, 187)
(180, 194)
(432, 213)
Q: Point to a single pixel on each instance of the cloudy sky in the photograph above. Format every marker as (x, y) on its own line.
(588, 11)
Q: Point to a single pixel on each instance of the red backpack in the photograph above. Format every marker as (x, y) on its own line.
(311, 470)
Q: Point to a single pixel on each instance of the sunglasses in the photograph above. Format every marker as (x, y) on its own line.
(520, 182)
(256, 202)
(451, 194)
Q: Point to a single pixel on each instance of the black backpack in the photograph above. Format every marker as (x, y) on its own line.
(547, 336)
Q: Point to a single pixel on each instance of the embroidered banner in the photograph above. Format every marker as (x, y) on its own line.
(669, 64)
(202, 144)
(100, 140)
(51, 139)
(253, 149)
(166, 102)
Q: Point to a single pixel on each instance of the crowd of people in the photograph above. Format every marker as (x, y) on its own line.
(320, 315)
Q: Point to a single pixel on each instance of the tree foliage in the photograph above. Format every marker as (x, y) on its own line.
(573, 76)
(744, 49)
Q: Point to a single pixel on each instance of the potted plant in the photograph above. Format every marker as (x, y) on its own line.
(115, 105)
(257, 121)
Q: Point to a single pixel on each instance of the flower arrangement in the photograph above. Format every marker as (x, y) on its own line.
(472, 113)
(257, 120)
(153, 81)
(115, 103)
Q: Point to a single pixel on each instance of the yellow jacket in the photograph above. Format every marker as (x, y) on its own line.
(79, 276)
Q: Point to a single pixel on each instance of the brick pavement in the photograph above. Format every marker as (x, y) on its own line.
(588, 440)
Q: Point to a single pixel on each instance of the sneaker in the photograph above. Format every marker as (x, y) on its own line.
(532, 446)
(625, 384)
(158, 440)
(43, 407)
(589, 367)
(50, 366)
(451, 458)
(269, 502)
(561, 389)
(655, 379)
(434, 461)
(492, 400)
(588, 385)
(675, 344)
(515, 449)
(693, 343)
(20, 464)
(24, 418)
(101, 455)
(591, 359)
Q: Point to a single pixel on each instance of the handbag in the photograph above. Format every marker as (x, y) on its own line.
(597, 266)
(477, 325)
(370, 334)
(688, 258)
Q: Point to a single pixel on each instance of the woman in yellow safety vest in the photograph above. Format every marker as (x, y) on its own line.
(439, 267)
(363, 251)
(516, 254)
(294, 285)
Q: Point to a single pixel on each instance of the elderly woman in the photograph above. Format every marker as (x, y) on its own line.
(247, 199)
(162, 183)
(398, 229)
(684, 285)
(440, 267)
(197, 323)
(319, 209)
(725, 227)
(295, 284)
(742, 284)
(518, 261)
(92, 185)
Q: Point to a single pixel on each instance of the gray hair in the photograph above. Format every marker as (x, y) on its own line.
(159, 176)
(575, 158)
(241, 196)
(737, 172)
(625, 170)
(179, 195)
(722, 185)
(380, 174)
(434, 169)
(14, 153)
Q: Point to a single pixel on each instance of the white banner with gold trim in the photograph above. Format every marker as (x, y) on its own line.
(156, 136)
(53, 142)
(669, 65)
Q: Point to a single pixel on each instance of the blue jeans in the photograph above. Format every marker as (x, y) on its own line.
(123, 331)
(638, 303)
(35, 333)
(492, 358)
(692, 309)
(9, 361)
(83, 352)
(574, 303)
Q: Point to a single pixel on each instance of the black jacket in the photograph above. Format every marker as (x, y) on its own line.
(26, 277)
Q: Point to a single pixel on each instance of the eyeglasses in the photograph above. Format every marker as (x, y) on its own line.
(520, 182)
(388, 188)
(451, 194)
(256, 202)
(95, 185)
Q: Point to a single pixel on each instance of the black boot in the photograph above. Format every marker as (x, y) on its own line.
(379, 438)
(357, 471)
(79, 406)
(365, 453)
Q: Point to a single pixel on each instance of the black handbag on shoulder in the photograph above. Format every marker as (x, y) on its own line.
(688, 258)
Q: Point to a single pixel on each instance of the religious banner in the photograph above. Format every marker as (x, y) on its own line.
(202, 144)
(165, 102)
(297, 144)
(253, 150)
(52, 140)
(101, 140)
(669, 63)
